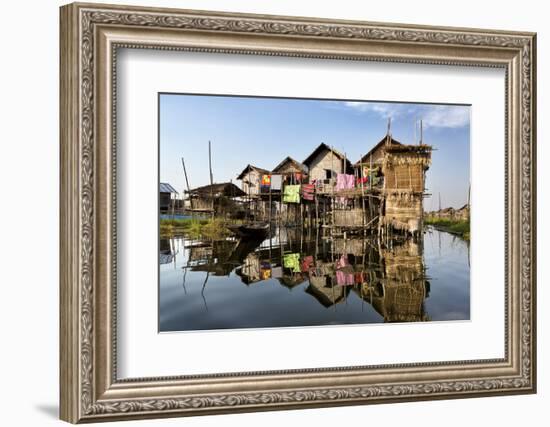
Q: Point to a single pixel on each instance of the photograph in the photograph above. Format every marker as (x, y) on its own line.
(289, 212)
(344, 209)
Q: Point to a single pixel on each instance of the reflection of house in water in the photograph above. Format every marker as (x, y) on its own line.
(249, 271)
(219, 258)
(390, 278)
(166, 254)
(323, 285)
(400, 293)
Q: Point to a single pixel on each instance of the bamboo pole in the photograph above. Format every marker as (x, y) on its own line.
(187, 183)
(211, 177)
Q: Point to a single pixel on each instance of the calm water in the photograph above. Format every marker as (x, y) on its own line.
(295, 279)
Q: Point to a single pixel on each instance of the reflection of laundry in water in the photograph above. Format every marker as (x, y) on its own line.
(265, 270)
(342, 261)
(344, 279)
(307, 263)
(292, 262)
(265, 274)
(277, 272)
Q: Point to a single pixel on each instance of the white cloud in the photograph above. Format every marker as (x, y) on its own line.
(446, 116)
(434, 116)
(382, 109)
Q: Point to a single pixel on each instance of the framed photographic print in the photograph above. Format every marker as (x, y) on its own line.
(266, 212)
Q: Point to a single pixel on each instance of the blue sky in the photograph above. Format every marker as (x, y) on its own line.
(263, 131)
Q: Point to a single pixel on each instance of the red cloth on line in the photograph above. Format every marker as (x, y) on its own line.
(308, 191)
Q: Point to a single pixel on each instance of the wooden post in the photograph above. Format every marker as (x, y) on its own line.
(316, 211)
(187, 183)
(332, 184)
(362, 194)
(211, 177)
(370, 172)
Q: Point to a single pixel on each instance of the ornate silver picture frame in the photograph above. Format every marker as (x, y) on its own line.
(91, 390)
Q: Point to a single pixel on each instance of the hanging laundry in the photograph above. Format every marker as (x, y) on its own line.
(297, 177)
(292, 262)
(344, 181)
(363, 180)
(266, 180)
(276, 182)
(291, 194)
(308, 191)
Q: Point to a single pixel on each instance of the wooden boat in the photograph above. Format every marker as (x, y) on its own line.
(253, 230)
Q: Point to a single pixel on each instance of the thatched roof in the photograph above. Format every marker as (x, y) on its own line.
(226, 189)
(293, 164)
(250, 168)
(392, 142)
(324, 147)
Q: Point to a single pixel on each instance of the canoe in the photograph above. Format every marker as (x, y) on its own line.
(250, 230)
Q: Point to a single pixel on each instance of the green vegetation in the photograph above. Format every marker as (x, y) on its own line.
(458, 227)
(212, 229)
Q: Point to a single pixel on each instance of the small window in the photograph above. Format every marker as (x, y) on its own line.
(328, 173)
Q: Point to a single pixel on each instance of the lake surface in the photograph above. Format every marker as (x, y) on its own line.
(298, 278)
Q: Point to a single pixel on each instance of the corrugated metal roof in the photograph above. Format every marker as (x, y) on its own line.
(167, 188)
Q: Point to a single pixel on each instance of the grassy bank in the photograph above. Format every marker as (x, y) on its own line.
(459, 227)
(211, 229)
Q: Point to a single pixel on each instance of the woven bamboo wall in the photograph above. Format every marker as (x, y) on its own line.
(405, 176)
(404, 211)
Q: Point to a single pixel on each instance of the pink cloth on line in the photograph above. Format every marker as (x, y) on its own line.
(344, 181)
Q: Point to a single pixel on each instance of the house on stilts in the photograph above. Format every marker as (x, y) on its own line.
(382, 192)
